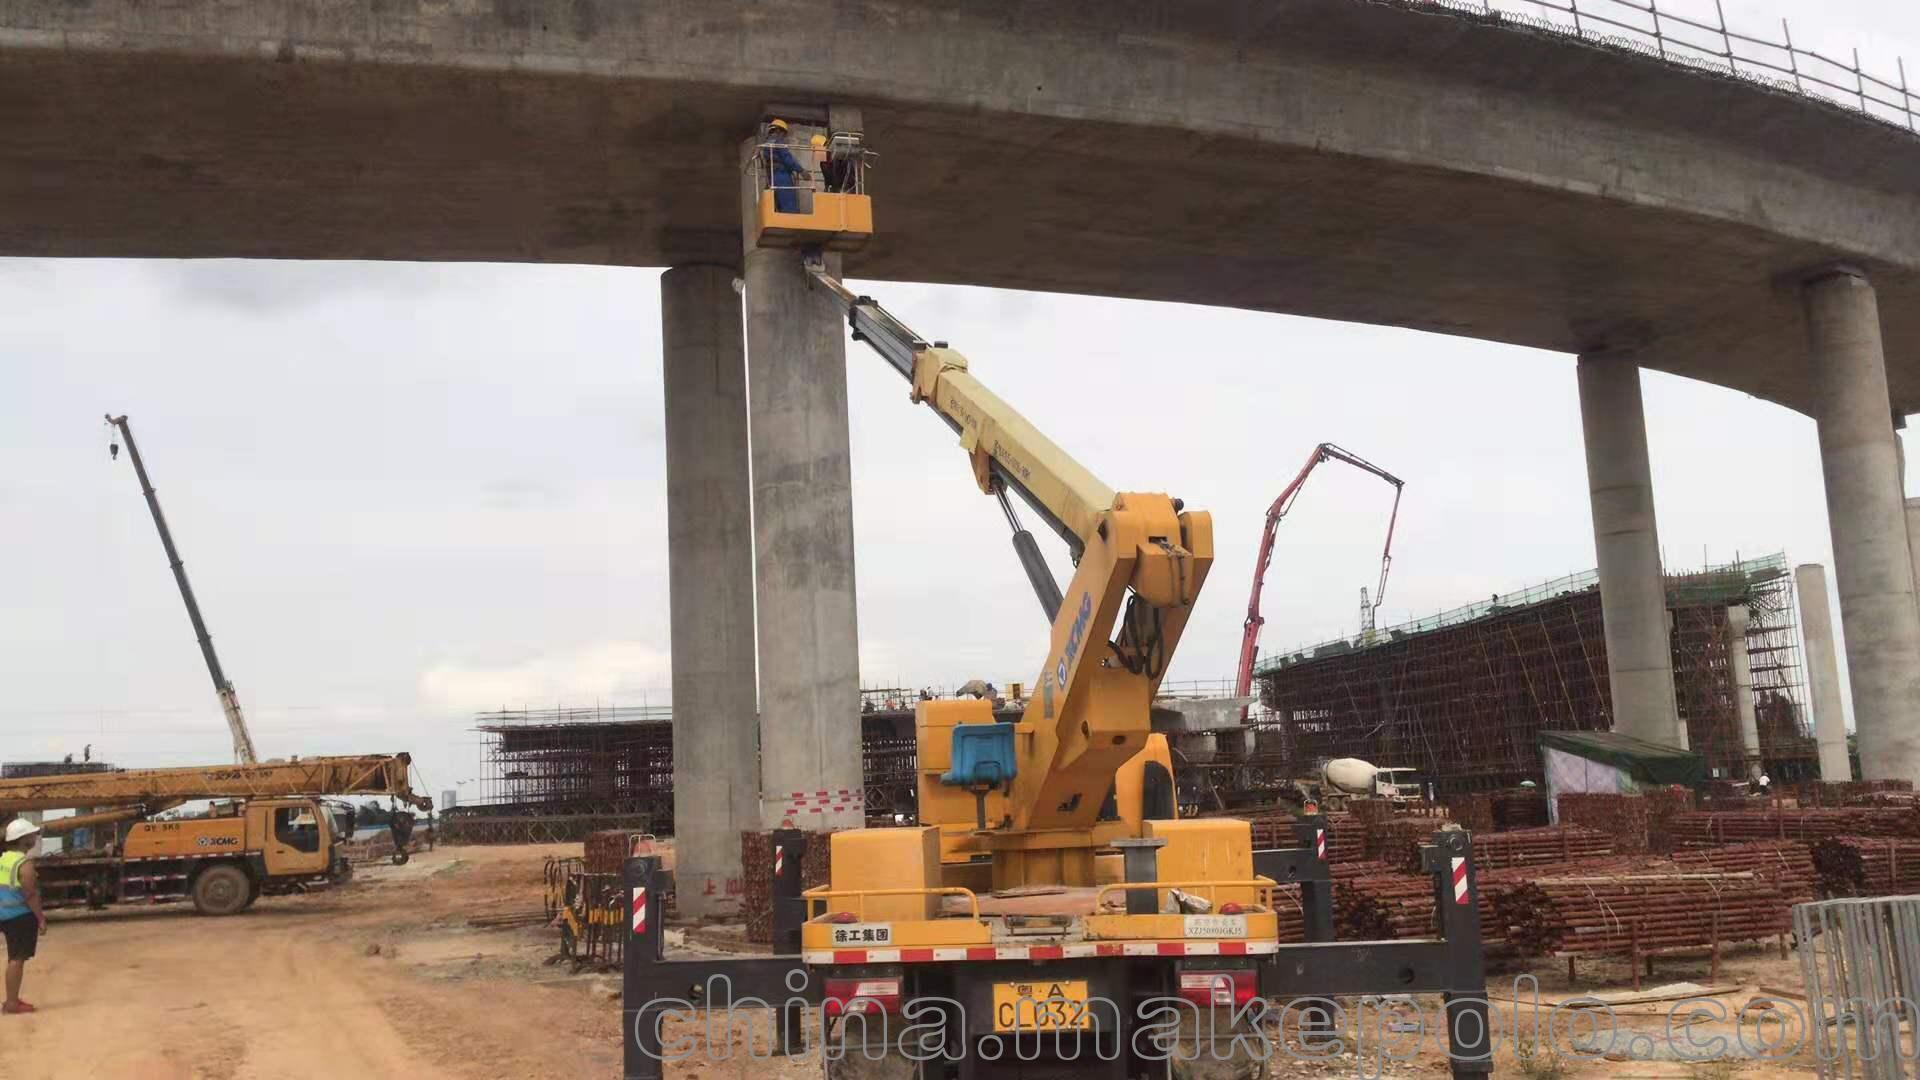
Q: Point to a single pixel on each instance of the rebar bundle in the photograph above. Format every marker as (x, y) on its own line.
(1789, 864)
(1708, 828)
(1633, 914)
(1554, 843)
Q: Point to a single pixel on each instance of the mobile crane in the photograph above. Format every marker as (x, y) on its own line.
(1049, 897)
(278, 833)
(222, 686)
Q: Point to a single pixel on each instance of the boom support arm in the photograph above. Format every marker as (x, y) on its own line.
(1141, 561)
(372, 774)
(222, 686)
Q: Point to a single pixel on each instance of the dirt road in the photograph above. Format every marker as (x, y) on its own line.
(383, 978)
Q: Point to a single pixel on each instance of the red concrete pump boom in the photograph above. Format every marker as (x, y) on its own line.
(1250, 636)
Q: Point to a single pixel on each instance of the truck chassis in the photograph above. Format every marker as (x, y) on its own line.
(1299, 976)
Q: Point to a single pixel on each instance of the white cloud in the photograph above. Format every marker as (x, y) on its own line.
(605, 672)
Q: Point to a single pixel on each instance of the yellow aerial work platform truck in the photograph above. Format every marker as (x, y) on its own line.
(1050, 914)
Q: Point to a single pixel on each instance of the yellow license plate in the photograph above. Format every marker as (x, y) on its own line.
(1048, 1005)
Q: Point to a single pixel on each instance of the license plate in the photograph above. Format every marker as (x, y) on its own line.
(1056, 1004)
(1216, 926)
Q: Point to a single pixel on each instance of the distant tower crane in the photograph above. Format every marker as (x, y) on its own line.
(1250, 636)
(229, 701)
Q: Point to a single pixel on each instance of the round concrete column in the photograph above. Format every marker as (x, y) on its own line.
(1823, 671)
(811, 773)
(716, 778)
(1872, 562)
(1633, 592)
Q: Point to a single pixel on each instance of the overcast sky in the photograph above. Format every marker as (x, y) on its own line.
(408, 492)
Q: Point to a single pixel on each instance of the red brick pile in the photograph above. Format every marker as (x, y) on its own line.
(756, 863)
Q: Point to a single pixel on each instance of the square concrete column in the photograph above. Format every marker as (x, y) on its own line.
(716, 775)
(1823, 671)
(1872, 561)
(1633, 590)
(809, 647)
(1740, 664)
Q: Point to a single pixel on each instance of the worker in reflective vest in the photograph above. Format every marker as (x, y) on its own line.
(21, 917)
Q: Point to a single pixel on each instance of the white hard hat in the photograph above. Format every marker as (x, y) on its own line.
(20, 827)
(1765, 779)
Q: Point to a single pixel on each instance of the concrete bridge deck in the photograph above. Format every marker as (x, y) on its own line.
(1333, 158)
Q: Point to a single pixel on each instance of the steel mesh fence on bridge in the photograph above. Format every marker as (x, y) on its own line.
(1693, 40)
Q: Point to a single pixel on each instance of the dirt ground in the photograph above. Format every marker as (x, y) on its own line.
(385, 978)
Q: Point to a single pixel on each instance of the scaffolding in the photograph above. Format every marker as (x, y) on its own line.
(1462, 696)
(601, 761)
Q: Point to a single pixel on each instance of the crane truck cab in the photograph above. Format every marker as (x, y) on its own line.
(222, 861)
(821, 204)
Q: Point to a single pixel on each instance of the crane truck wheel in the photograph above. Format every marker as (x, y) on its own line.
(221, 889)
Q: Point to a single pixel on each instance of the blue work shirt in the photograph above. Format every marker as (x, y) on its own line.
(786, 175)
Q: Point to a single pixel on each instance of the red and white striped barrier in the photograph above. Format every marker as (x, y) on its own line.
(1041, 952)
(639, 909)
(1459, 880)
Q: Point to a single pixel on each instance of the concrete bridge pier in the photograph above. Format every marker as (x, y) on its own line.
(809, 649)
(1872, 561)
(1633, 592)
(1823, 671)
(716, 786)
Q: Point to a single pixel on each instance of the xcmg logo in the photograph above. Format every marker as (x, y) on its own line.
(218, 841)
(1074, 637)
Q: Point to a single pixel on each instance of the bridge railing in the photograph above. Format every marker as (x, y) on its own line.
(1644, 26)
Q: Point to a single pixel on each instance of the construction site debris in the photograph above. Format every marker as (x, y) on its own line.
(1867, 866)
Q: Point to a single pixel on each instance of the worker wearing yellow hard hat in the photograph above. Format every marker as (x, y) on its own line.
(785, 172)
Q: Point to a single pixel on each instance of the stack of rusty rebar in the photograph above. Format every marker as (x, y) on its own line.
(1473, 812)
(1521, 808)
(1383, 907)
(1663, 804)
(1788, 864)
(1867, 866)
(1849, 792)
(1290, 915)
(1345, 841)
(1709, 828)
(756, 863)
(1396, 841)
(1551, 843)
(607, 851)
(1622, 817)
(1629, 914)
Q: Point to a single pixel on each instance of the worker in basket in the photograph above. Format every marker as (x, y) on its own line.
(786, 172)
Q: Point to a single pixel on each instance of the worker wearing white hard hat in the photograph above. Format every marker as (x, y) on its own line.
(21, 917)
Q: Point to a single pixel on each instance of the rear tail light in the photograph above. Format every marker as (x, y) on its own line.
(847, 997)
(1218, 987)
